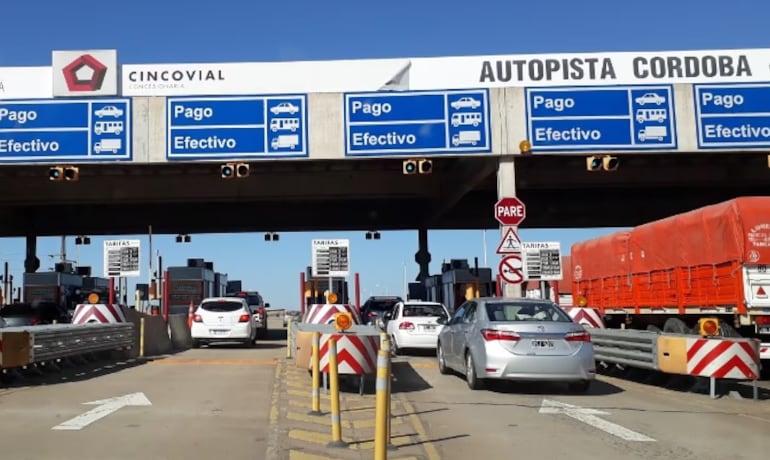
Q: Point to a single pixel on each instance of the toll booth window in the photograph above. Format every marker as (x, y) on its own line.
(221, 307)
(512, 311)
(425, 310)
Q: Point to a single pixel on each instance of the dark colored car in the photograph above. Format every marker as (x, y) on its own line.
(375, 307)
(27, 314)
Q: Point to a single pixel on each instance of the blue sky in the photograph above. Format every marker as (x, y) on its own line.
(145, 31)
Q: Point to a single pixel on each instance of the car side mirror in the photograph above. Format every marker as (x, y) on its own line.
(267, 305)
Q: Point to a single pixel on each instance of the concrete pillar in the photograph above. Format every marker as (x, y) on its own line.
(31, 262)
(506, 187)
(422, 256)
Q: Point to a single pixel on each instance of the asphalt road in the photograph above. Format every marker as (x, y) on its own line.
(205, 403)
(616, 419)
(216, 403)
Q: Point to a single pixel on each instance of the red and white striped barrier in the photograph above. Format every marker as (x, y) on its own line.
(723, 358)
(356, 355)
(589, 317)
(324, 313)
(98, 313)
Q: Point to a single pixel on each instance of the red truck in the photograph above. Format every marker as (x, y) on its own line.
(684, 274)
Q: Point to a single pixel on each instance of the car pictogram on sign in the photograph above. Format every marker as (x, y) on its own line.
(84, 74)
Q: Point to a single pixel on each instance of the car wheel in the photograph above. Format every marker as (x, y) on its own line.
(474, 383)
(579, 387)
(394, 346)
(441, 361)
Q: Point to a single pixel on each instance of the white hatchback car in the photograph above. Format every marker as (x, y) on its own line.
(414, 324)
(223, 319)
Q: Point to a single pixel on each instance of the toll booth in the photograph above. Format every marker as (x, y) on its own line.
(233, 286)
(192, 283)
(220, 284)
(457, 283)
(66, 285)
(315, 287)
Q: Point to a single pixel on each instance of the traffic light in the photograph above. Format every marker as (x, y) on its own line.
(71, 173)
(63, 173)
(56, 173)
(602, 163)
(409, 167)
(708, 326)
(425, 166)
(242, 170)
(343, 321)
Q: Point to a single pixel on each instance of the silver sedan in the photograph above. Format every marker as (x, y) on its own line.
(516, 339)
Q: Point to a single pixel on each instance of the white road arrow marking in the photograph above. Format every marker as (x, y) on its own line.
(105, 408)
(589, 416)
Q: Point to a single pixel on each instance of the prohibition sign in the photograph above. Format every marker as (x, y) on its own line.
(510, 269)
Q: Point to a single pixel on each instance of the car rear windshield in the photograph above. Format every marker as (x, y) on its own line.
(424, 310)
(222, 307)
(529, 311)
(381, 305)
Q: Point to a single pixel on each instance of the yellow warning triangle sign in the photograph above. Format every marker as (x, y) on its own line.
(510, 243)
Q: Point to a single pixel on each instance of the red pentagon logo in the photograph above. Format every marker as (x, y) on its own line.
(85, 73)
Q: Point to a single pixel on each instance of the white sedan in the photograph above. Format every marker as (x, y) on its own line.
(414, 324)
(223, 319)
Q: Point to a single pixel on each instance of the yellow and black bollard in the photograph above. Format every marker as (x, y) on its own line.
(315, 361)
(334, 396)
(382, 407)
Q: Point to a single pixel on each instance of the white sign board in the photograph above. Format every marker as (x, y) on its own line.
(121, 258)
(542, 261)
(331, 257)
(85, 73)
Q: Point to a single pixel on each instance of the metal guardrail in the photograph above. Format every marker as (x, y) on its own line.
(66, 340)
(626, 346)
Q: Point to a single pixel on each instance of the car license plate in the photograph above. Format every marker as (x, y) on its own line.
(429, 327)
(218, 331)
(542, 344)
(764, 330)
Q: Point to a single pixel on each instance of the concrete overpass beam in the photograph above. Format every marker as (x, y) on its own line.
(506, 187)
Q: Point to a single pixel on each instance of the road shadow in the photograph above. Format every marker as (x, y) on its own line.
(597, 388)
(406, 379)
(74, 369)
(685, 383)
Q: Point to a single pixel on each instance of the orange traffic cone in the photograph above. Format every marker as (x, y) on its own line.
(190, 315)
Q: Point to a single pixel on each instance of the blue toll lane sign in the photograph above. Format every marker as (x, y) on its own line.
(605, 118)
(424, 122)
(236, 127)
(71, 130)
(729, 116)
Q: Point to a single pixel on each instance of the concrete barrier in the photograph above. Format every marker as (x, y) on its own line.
(156, 336)
(180, 332)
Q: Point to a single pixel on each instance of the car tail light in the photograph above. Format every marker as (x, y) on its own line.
(372, 314)
(261, 311)
(495, 334)
(197, 319)
(406, 325)
(244, 318)
(579, 336)
(762, 320)
(34, 321)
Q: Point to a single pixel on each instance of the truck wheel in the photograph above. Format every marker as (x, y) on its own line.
(676, 326)
(727, 330)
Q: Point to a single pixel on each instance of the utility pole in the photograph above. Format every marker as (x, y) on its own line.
(63, 252)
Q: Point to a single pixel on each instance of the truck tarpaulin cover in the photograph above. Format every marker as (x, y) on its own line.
(690, 259)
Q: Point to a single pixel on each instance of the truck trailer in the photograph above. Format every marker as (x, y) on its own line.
(703, 272)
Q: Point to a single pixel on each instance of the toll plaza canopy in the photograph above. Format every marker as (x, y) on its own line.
(177, 144)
